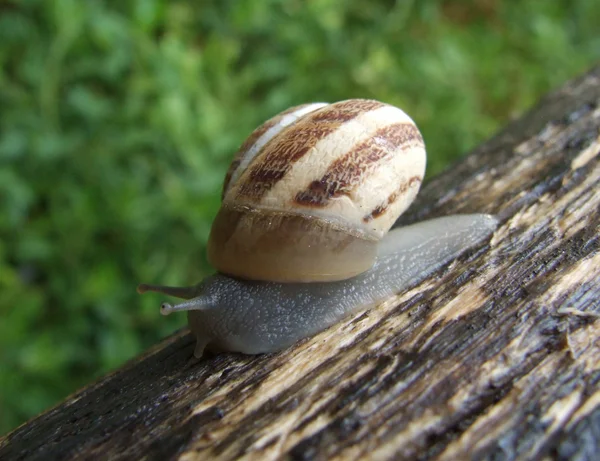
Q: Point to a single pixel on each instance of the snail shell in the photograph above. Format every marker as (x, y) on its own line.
(312, 191)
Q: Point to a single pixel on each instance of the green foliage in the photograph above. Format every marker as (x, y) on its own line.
(118, 120)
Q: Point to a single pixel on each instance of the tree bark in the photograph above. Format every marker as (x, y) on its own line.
(496, 356)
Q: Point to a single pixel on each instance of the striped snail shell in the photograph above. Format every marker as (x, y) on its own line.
(312, 191)
(310, 197)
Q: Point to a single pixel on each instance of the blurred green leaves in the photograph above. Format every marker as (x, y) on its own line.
(118, 119)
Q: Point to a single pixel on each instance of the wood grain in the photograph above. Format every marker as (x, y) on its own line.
(495, 357)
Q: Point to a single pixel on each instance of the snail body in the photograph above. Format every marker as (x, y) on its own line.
(301, 240)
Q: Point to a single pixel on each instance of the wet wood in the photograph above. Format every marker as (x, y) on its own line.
(495, 357)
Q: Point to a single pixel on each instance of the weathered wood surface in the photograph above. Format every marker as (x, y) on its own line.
(495, 357)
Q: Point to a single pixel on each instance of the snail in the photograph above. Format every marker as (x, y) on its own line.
(301, 239)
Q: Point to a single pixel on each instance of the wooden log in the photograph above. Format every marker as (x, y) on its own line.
(496, 356)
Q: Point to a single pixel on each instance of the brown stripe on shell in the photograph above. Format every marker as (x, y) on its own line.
(246, 145)
(251, 140)
(348, 172)
(232, 167)
(379, 210)
(344, 111)
(281, 152)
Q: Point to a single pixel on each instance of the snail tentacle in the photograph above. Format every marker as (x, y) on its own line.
(177, 292)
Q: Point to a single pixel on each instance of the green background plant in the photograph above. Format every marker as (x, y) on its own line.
(118, 119)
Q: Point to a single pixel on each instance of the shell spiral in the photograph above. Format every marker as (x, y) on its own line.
(312, 190)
